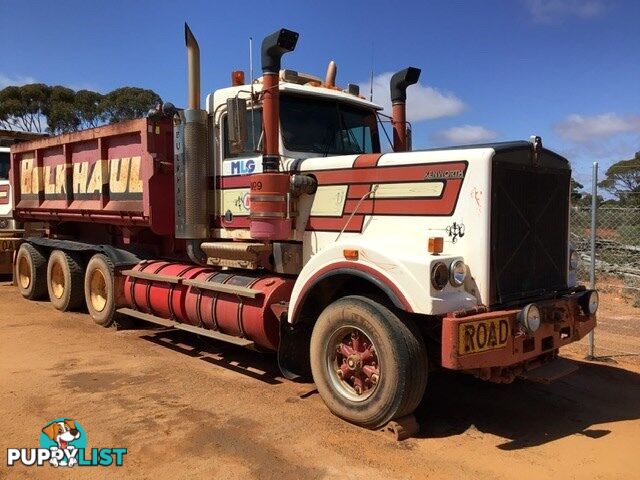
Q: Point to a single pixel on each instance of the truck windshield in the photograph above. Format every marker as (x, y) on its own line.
(4, 165)
(327, 127)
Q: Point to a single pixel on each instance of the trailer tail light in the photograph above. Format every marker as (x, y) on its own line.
(436, 245)
(350, 254)
(237, 78)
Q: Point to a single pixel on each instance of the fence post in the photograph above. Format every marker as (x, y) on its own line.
(592, 267)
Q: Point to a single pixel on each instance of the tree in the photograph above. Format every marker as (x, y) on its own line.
(127, 103)
(585, 201)
(60, 111)
(623, 180)
(90, 108)
(576, 193)
(24, 107)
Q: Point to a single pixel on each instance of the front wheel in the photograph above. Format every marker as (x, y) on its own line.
(369, 365)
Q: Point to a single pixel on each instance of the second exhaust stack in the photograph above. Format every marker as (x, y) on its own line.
(399, 83)
(269, 212)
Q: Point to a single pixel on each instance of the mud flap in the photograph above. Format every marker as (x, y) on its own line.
(293, 349)
(550, 372)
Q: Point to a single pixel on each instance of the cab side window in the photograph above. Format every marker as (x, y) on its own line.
(254, 130)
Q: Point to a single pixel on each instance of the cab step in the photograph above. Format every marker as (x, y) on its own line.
(242, 342)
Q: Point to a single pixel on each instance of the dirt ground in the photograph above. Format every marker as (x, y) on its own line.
(186, 408)
(617, 337)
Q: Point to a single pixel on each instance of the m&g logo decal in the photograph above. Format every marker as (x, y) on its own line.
(121, 176)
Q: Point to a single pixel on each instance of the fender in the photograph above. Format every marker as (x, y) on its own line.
(398, 271)
(119, 257)
(357, 270)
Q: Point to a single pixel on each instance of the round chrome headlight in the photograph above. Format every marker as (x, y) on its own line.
(590, 302)
(574, 260)
(457, 273)
(530, 318)
(439, 275)
(4, 223)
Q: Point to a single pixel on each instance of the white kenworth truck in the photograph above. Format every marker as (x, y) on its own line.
(293, 232)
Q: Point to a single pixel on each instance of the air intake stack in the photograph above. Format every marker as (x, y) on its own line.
(399, 83)
(269, 216)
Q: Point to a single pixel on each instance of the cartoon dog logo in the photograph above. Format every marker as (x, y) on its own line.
(63, 432)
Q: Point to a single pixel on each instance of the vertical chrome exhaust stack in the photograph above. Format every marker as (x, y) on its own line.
(193, 69)
(190, 165)
(399, 83)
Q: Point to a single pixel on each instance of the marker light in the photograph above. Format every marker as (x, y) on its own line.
(350, 254)
(237, 78)
(436, 245)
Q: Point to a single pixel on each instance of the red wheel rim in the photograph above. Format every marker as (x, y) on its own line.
(354, 368)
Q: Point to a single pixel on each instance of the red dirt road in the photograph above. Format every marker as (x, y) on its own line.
(187, 408)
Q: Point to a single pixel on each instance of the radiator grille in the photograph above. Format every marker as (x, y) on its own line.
(529, 225)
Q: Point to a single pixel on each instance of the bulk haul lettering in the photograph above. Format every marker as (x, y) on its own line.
(121, 175)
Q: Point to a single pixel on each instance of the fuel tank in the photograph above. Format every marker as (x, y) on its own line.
(243, 312)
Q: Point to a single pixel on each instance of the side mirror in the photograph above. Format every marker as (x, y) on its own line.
(237, 122)
(409, 138)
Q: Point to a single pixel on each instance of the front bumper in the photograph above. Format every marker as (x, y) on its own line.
(491, 349)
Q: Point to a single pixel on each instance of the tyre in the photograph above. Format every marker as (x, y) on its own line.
(64, 280)
(31, 272)
(369, 365)
(100, 290)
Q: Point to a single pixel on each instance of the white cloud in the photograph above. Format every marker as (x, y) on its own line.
(551, 11)
(6, 80)
(465, 134)
(423, 102)
(583, 129)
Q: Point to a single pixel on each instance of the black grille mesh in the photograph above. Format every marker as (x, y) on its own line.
(529, 231)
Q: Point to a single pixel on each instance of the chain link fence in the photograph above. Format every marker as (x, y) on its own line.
(617, 275)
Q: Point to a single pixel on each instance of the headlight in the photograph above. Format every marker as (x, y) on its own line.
(439, 275)
(574, 259)
(589, 302)
(4, 223)
(529, 317)
(457, 273)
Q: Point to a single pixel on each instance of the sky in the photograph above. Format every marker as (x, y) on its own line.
(492, 70)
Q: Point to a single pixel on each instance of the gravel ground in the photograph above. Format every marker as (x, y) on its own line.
(186, 408)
